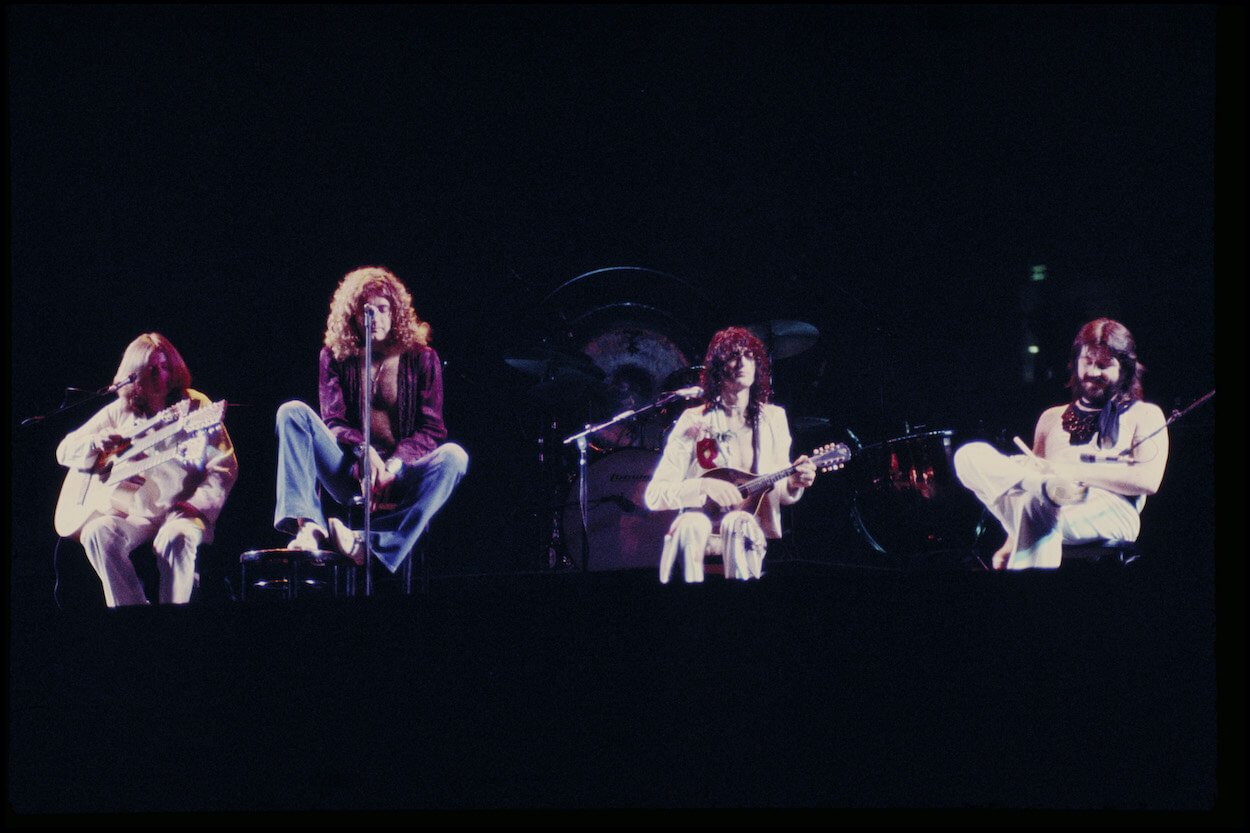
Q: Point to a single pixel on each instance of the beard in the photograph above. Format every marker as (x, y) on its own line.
(1097, 392)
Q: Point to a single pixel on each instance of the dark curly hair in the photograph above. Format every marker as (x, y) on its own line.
(724, 346)
(343, 335)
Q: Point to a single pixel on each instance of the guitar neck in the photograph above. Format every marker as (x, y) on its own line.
(764, 481)
(833, 454)
(196, 420)
(157, 437)
(188, 450)
(170, 417)
(125, 470)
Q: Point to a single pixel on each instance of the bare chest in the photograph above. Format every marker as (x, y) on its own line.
(385, 383)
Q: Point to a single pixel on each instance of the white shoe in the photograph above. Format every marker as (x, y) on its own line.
(347, 541)
(310, 538)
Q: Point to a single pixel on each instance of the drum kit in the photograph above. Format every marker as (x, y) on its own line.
(611, 377)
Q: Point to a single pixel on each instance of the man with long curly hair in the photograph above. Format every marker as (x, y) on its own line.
(1052, 496)
(411, 464)
(736, 427)
(174, 505)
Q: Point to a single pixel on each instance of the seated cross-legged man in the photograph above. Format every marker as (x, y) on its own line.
(411, 465)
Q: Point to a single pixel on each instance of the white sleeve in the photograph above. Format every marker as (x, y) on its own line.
(670, 488)
(78, 450)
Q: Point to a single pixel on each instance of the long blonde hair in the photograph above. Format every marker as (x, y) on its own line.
(343, 335)
(137, 356)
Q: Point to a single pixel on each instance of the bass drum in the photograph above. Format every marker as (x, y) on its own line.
(907, 498)
(623, 534)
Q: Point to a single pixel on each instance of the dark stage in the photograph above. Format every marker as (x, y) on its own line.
(930, 200)
(814, 687)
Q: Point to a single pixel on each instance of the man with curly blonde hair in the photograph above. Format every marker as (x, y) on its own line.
(411, 464)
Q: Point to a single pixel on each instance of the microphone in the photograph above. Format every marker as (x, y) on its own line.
(692, 392)
(120, 383)
(1105, 458)
(370, 308)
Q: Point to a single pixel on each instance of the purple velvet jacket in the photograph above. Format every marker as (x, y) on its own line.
(420, 404)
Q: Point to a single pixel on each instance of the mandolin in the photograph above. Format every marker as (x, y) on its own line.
(753, 487)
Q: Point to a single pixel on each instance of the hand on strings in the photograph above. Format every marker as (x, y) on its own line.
(804, 474)
(723, 494)
(109, 442)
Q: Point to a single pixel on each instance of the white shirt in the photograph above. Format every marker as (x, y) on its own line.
(675, 483)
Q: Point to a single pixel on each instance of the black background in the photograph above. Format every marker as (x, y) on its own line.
(889, 174)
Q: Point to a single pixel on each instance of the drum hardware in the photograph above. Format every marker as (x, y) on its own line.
(585, 303)
(907, 499)
(543, 362)
(809, 424)
(785, 338)
(635, 357)
(617, 531)
(581, 440)
(684, 377)
(620, 337)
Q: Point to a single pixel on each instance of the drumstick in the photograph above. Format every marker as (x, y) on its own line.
(1020, 444)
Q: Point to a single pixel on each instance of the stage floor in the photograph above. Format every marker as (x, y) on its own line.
(817, 686)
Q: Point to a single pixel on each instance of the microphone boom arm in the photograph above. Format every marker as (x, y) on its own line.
(1122, 457)
(685, 393)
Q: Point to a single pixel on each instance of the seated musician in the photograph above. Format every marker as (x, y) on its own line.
(1093, 461)
(736, 428)
(411, 464)
(172, 503)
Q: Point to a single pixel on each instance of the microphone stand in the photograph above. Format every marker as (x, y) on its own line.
(91, 395)
(1173, 418)
(366, 466)
(580, 439)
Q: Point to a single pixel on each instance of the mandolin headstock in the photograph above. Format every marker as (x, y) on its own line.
(831, 457)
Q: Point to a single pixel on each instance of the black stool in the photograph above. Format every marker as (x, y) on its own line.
(402, 577)
(1101, 554)
(287, 573)
(356, 522)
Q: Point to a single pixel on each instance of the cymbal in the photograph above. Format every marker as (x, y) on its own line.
(804, 424)
(543, 362)
(573, 389)
(683, 378)
(785, 338)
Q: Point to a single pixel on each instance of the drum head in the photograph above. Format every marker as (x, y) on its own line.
(907, 498)
(623, 534)
(636, 359)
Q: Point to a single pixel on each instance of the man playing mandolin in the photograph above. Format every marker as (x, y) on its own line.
(154, 465)
(736, 429)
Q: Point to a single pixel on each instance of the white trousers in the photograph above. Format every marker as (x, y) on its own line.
(741, 542)
(109, 540)
(1012, 490)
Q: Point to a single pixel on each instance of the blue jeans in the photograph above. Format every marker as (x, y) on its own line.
(308, 454)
